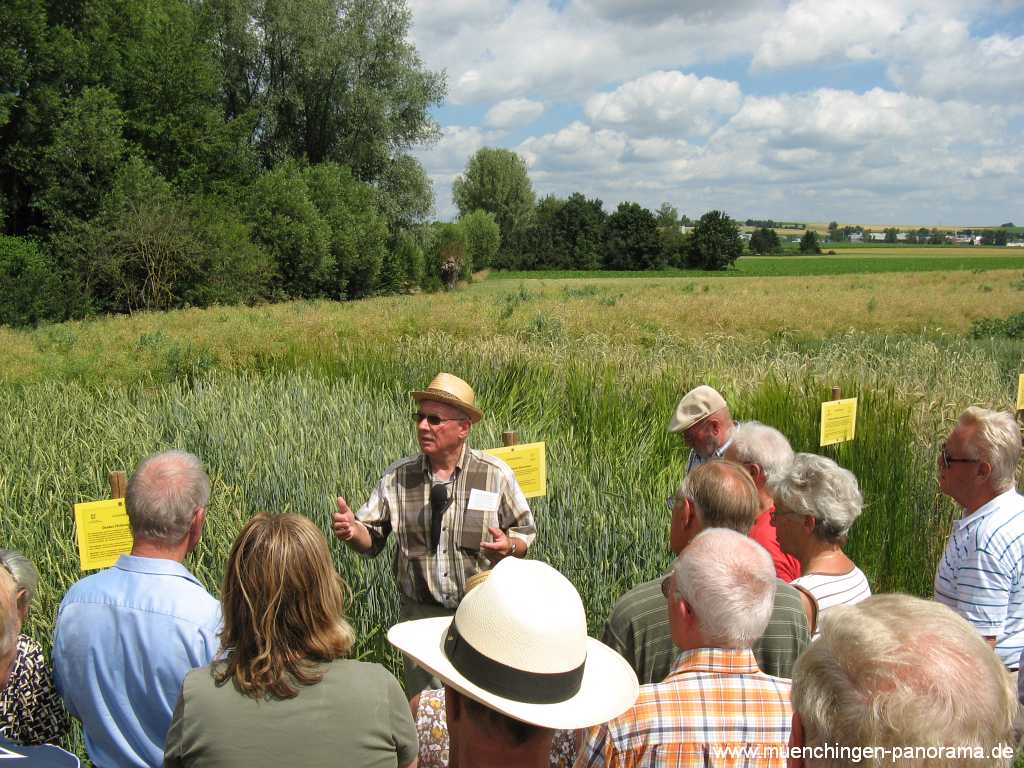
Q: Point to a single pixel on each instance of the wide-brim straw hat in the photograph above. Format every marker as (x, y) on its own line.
(449, 389)
(518, 644)
(696, 405)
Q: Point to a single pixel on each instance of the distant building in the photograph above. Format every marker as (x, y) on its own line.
(877, 235)
(1016, 244)
(856, 237)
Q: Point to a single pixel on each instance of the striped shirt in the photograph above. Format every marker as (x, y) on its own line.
(979, 575)
(830, 590)
(716, 709)
(639, 631)
(484, 495)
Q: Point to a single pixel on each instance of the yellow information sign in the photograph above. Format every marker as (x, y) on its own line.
(838, 421)
(529, 465)
(1020, 393)
(103, 532)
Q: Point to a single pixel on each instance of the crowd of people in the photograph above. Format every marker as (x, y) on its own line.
(761, 646)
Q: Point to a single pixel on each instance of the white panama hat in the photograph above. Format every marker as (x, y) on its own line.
(518, 644)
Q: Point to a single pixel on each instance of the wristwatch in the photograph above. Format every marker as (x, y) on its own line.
(512, 549)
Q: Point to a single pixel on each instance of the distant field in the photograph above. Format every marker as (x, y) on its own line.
(865, 260)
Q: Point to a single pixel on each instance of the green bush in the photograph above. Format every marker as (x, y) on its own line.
(1010, 327)
(32, 289)
(483, 239)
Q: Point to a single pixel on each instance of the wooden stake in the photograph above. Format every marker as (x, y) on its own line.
(118, 484)
(509, 438)
(837, 393)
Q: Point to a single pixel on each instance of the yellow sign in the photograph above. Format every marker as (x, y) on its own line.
(103, 533)
(838, 421)
(1020, 393)
(528, 464)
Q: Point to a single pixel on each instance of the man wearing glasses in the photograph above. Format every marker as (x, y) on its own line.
(981, 573)
(455, 511)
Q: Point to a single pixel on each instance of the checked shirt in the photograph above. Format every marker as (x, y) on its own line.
(715, 709)
(401, 504)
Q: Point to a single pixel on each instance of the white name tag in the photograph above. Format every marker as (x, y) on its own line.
(486, 501)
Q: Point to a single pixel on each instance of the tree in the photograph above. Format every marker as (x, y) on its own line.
(764, 241)
(715, 242)
(483, 238)
(809, 242)
(835, 233)
(891, 235)
(631, 239)
(496, 181)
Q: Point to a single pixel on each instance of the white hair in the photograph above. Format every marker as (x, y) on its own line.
(996, 440)
(757, 443)
(729, 581)
(10, 619)
(26, 577)
(816, 486)
(164, 493)
(899, 671)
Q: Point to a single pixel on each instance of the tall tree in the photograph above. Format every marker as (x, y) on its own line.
(631, 239)
(809, 242)
(496, 181)
(715, 242)
(764, 241)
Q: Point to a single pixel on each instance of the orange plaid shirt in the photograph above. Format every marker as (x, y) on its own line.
(715, 709)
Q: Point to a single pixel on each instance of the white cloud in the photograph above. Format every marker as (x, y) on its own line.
(513, 112)
(990, 69)
(667, 102)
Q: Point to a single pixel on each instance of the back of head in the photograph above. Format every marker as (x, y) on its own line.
(25, 575)
(899, 671)
(757, 443)
(996, 440)
(724, 494)
(502, 731)
(729, 582)
(817, 486)
(10, 621)
(163, 495)
(283, 607)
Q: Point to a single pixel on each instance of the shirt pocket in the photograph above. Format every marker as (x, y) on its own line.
(475, 523)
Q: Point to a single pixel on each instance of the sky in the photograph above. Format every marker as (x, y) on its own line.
(859, 111)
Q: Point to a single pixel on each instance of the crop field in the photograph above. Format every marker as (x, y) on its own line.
(290, 405)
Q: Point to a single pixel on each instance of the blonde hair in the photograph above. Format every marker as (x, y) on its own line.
(284, 608)
(996, 438)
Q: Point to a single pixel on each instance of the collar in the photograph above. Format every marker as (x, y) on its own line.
(460, 465)
(728, 661)
(154, 566)
(1000, 501)
(720, 452)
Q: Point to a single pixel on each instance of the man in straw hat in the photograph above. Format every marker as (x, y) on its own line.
(517, 665)
(703, 419)
(455, 511)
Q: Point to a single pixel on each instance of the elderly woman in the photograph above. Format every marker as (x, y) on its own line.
(31, 712)
(816, 503)
(283, 692)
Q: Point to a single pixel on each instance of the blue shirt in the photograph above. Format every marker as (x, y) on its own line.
(981, 573)
(124, 640)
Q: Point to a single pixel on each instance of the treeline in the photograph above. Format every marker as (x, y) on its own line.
(167, 153)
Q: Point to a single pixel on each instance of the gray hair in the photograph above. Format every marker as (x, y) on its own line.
(757, 443)
(25, 575)
(996, 440)
(10, 619)
(724, 495)
(899, 671)
(819, 487)
(729, 581)
(163, 495)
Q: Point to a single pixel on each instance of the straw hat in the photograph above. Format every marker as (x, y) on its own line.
(696, 405)
(518, 644)
(446, 388)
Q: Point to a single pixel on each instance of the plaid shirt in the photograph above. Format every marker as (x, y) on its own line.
(401, 503)
(715, 709)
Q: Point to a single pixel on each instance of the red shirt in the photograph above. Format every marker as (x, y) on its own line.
(787, 567)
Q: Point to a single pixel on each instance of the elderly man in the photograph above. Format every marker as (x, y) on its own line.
(454, 511)
(715, 707)
(715, 495)
(125, 637)
(703, 419)
(765, 453)
(979, 574)
(517, 664)
(897, 680)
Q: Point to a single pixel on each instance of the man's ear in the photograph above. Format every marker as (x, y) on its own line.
(195, 529)
(757, 475)
(796, 739)
(22, 601)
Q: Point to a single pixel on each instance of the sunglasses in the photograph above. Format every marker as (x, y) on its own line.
(432, 418)
(947, 459)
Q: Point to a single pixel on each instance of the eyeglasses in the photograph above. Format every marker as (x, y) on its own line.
(947, 459)
(432, 418)
(777, 513)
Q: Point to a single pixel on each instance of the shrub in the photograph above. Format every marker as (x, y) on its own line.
(483, 239)
(32, 288)
(1011, 327)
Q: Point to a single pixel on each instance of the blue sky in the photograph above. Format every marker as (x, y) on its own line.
(870, 112)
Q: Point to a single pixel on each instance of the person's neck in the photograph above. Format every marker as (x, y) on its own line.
(979, 499)
(825, 558)
(442, 465)
(159, 550)
(481, 753)
(767, 502)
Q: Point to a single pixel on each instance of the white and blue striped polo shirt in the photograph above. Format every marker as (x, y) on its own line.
(980, 573)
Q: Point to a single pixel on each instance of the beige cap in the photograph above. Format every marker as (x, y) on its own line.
(446, 388)
(696, 405)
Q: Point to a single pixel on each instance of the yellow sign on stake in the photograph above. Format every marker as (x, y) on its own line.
(1020, 393)
(528, 463)
(838, 421)
(103, 533)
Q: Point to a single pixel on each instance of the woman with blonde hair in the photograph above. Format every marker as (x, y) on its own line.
(281, 691)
